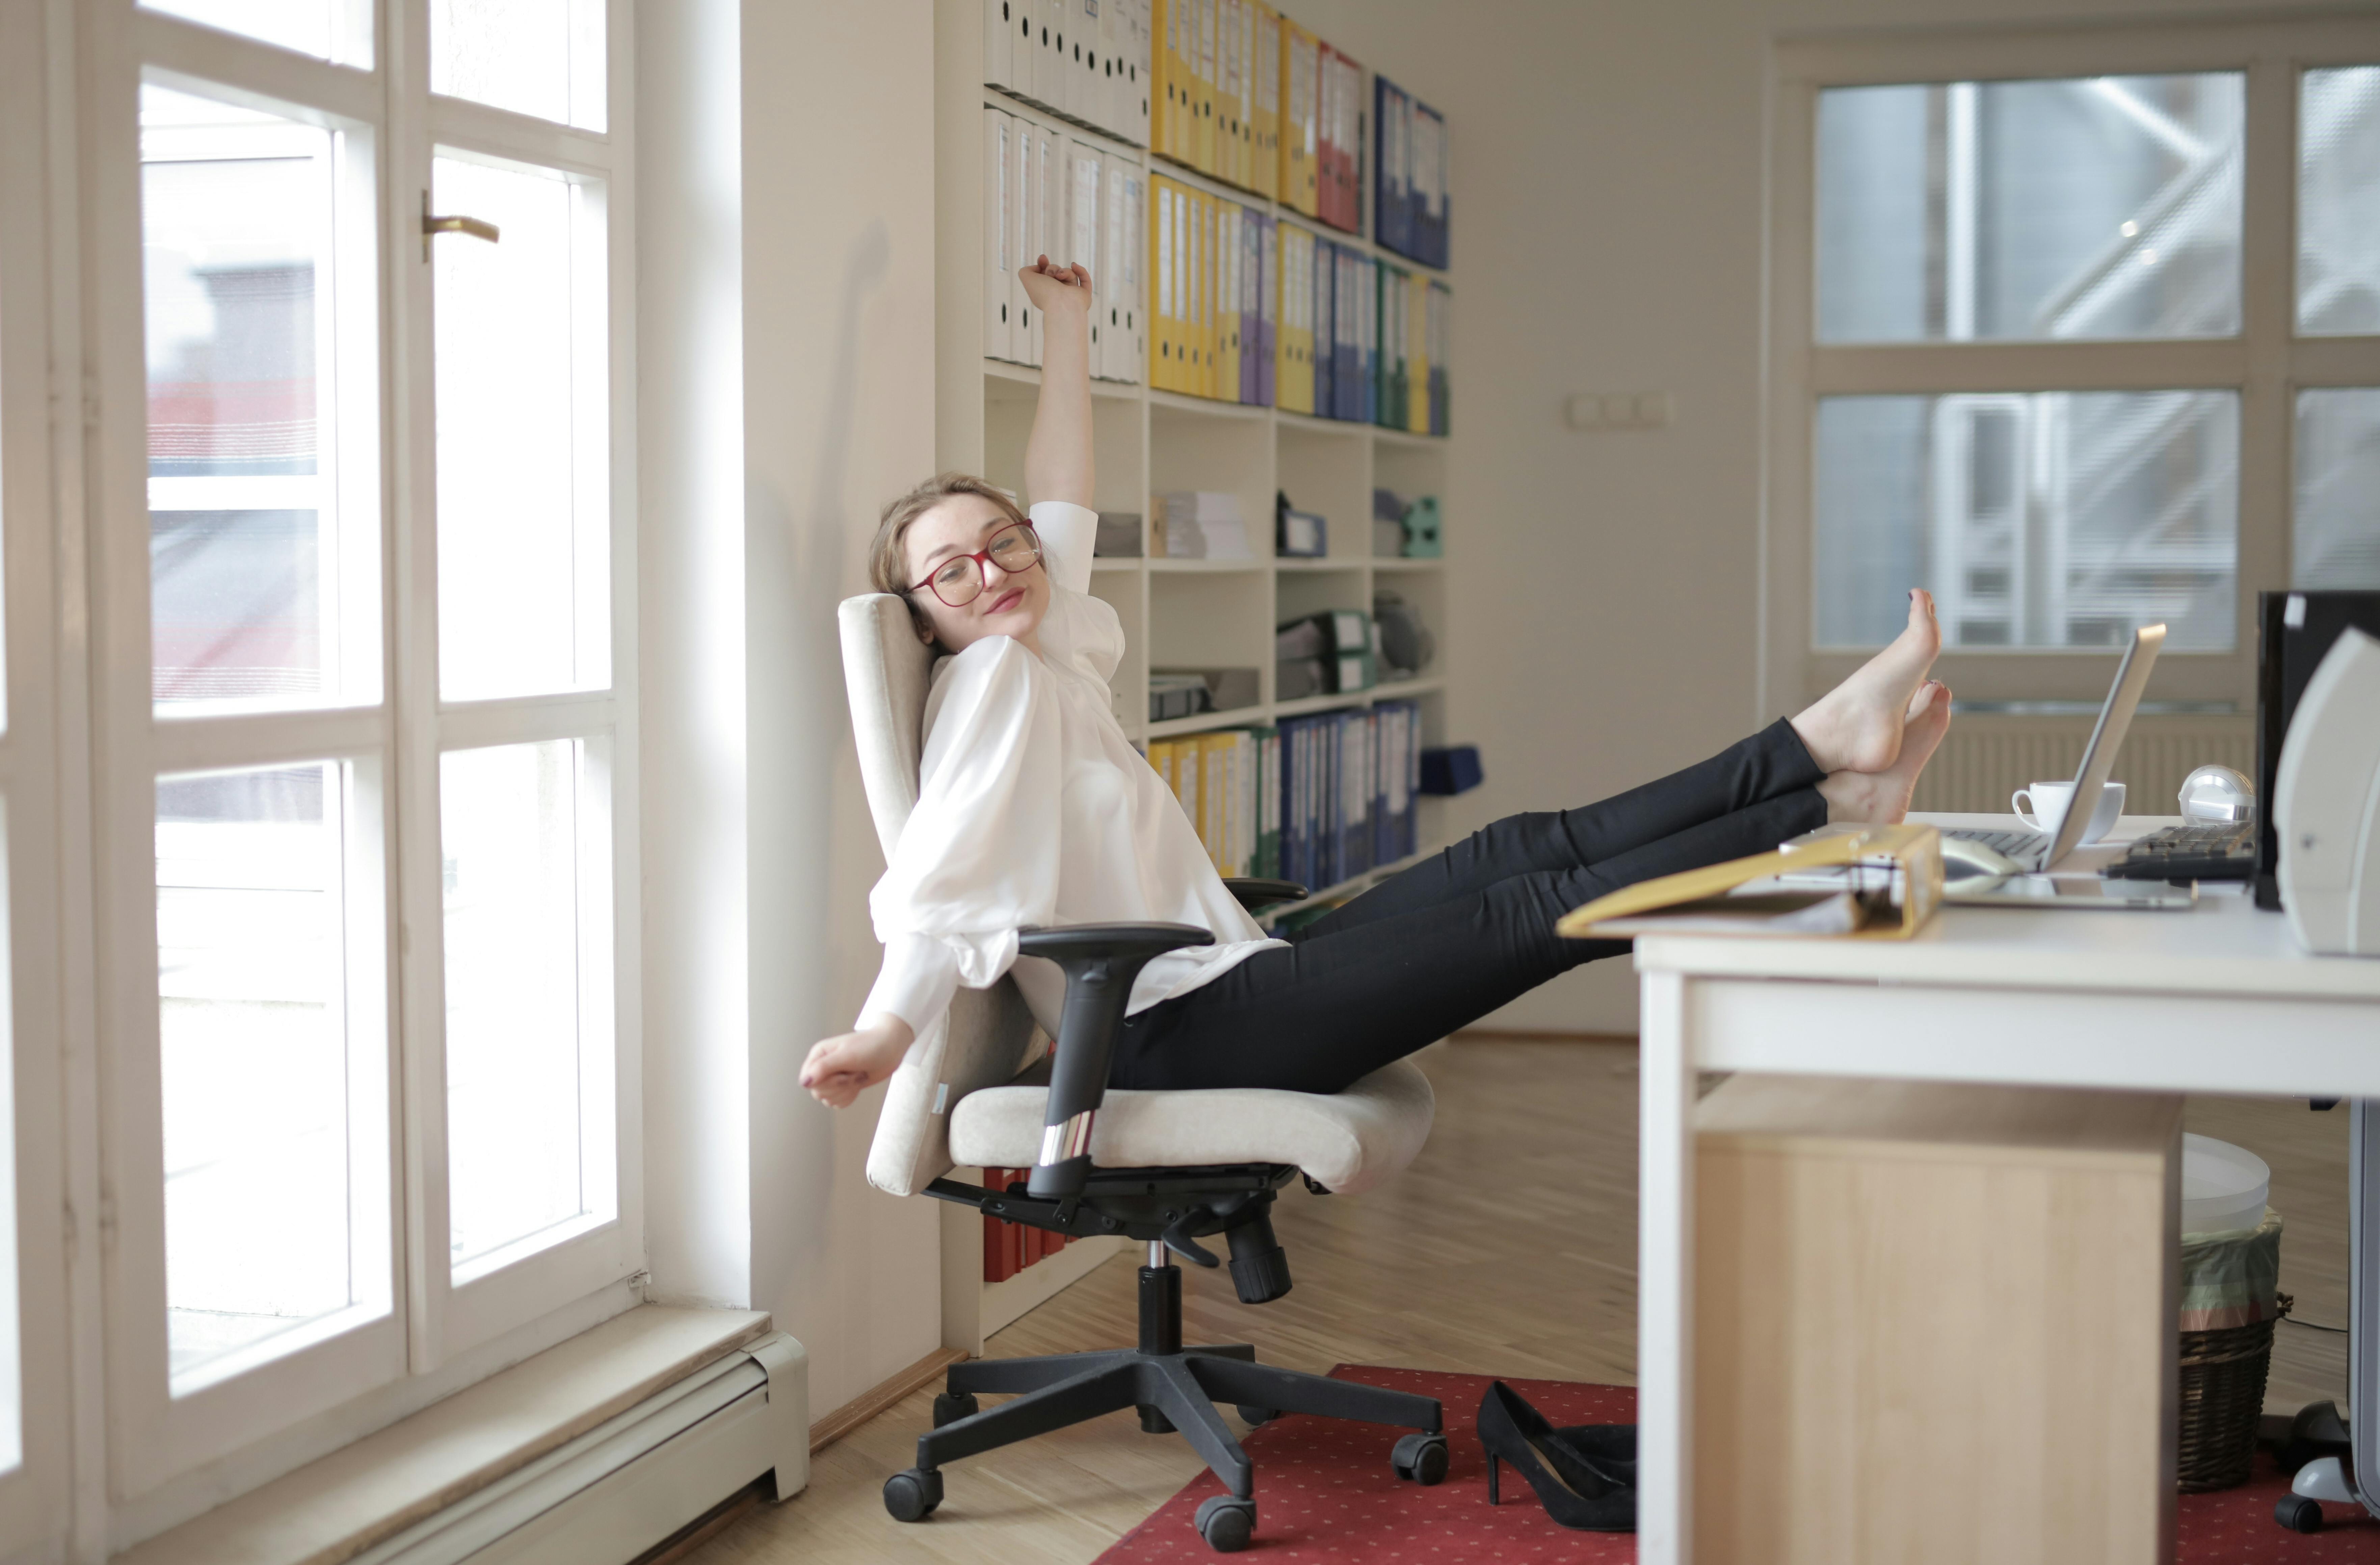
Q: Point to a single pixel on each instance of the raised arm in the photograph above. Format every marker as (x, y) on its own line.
(1058, 455)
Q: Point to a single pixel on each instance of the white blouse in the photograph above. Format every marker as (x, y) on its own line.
(1033, 808)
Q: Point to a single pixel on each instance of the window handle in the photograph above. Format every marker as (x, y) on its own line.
(432, 226)
(471, 226)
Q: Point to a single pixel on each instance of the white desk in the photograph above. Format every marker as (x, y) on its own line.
(2217, 999)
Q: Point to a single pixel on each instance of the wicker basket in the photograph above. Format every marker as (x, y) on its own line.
(2222, 1397)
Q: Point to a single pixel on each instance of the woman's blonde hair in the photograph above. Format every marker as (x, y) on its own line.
(888, 557)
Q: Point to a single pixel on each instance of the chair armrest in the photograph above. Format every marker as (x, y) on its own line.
(1255, 893)
(1101, 960)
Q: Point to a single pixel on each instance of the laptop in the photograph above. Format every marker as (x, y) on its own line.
(2038, 855)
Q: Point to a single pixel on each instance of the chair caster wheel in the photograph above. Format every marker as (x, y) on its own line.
(912, 1494)
(1253, 1416)
(950, 1408)
(2298, 1514)
(1227, 1522)
(1420, 1459)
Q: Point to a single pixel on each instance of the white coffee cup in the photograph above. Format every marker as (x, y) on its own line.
(2048, 801)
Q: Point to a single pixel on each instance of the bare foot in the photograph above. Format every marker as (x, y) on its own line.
(1857, 726)
(1881, 798)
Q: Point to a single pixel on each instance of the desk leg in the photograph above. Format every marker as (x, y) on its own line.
(1665, 1278)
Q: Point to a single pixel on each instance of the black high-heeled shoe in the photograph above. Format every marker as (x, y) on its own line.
(1610, 1447)
(1575, 1494)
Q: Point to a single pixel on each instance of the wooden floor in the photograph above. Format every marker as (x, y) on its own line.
(1507, 1248)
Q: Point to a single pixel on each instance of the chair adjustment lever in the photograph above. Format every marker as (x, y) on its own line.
(1178, 1238)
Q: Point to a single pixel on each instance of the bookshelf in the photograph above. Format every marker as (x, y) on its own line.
(1183, 613)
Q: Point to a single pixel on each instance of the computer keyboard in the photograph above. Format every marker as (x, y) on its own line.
(2225, 851)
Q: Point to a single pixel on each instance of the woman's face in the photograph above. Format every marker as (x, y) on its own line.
(1011, 603)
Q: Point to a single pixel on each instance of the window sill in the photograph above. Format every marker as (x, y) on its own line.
(337, 1507)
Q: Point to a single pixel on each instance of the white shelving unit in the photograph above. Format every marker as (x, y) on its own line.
(1183, 613)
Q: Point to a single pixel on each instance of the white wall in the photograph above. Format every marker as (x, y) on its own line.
(839, 378)
(1608, 186)
(787, 390)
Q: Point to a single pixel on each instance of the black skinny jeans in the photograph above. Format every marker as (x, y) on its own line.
(1442, 944)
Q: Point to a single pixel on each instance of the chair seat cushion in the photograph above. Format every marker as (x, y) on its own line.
(1347, 1141)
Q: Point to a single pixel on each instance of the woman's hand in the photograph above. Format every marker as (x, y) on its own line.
(839, 1069)
(1053, 288)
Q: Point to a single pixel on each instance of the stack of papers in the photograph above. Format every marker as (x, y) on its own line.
(1201, 525)
(1749, 912)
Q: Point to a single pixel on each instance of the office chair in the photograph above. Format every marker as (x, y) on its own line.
(1167, 1168)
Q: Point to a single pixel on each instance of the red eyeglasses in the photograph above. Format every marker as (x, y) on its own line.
(958, 580)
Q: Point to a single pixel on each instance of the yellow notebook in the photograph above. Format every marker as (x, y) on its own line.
(1886, 883)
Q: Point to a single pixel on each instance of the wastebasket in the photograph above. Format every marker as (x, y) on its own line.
(2230, 1301)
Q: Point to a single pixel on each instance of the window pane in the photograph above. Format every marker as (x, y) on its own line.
(2107, 207)
(328, 30)
(541, 57)
(524, 494)
(529, 1127)
(2338, 203)
(273, 1071)
(263, 586)
(2337, 533)
(2044, 520)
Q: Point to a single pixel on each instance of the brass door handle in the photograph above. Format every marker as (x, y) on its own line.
(471, 226)
(477, 228)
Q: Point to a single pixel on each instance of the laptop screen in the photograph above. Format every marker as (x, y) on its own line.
(2107, 739)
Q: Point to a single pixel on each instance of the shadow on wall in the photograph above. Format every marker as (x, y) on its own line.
(796, 555)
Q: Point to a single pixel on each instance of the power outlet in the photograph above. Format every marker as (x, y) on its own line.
(1620, 411)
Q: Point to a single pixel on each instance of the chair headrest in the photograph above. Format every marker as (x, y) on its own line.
(886, 672)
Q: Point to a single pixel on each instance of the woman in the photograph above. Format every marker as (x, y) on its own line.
(1035, 809)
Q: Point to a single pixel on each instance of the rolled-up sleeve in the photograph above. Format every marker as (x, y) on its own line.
(918, 978)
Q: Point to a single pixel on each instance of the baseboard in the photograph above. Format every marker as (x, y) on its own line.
(879, 1397)
(1509, 1035)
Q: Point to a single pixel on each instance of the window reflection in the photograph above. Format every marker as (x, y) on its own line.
(2037, 519)
(250, 569)
(275, 1138)
(2099, 207)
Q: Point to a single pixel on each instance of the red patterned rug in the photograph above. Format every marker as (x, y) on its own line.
(1325, 1493)
(1325, 1490)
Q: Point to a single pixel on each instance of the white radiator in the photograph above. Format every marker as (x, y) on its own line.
(1988, 755)
(630, 1482)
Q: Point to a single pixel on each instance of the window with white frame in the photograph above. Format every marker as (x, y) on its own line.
(2078, 331)
(366, 735)
(35, 1234)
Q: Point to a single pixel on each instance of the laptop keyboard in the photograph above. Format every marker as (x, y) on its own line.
(2220, 851)
(2023, 847)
